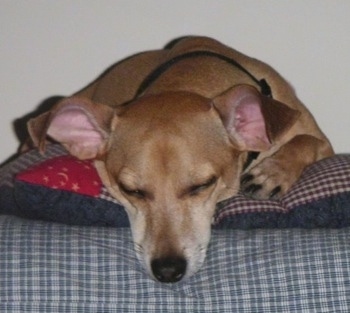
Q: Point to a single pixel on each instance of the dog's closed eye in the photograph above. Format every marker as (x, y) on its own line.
(196, 189)
(135, 193)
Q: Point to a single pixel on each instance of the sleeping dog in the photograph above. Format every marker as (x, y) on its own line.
(174, 131)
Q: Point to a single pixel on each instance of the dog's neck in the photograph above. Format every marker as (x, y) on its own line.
(162, 68)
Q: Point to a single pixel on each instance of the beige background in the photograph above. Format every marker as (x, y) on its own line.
(56, 47)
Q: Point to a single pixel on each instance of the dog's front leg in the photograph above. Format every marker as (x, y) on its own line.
(274, 175)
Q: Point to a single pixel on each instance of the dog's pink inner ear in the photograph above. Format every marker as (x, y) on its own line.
(76, 129)
(240, 111)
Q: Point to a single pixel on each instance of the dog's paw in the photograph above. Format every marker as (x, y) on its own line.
(270, 179)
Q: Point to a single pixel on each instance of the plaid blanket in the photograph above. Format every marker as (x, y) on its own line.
(48, 267)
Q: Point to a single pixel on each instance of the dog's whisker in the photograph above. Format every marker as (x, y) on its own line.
(138, 248)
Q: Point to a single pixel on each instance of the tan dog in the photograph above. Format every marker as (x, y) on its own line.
(172, 131)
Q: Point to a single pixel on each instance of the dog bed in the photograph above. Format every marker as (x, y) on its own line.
(60, 188)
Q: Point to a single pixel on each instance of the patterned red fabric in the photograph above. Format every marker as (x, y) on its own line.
(65, 173)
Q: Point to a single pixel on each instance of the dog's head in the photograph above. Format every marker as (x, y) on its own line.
(168, 158)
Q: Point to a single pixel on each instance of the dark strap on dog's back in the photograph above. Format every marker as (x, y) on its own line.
(157, 72)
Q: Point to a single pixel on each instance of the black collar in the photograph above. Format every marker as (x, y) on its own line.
(158, 71)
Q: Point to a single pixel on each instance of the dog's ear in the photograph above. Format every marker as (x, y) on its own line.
(254, 121)
(80, 125)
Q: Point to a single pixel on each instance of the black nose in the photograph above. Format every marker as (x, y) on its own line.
(169, 270)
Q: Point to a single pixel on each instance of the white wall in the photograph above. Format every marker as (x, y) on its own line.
(56, 47)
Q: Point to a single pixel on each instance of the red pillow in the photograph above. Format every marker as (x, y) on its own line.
(65, 173)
